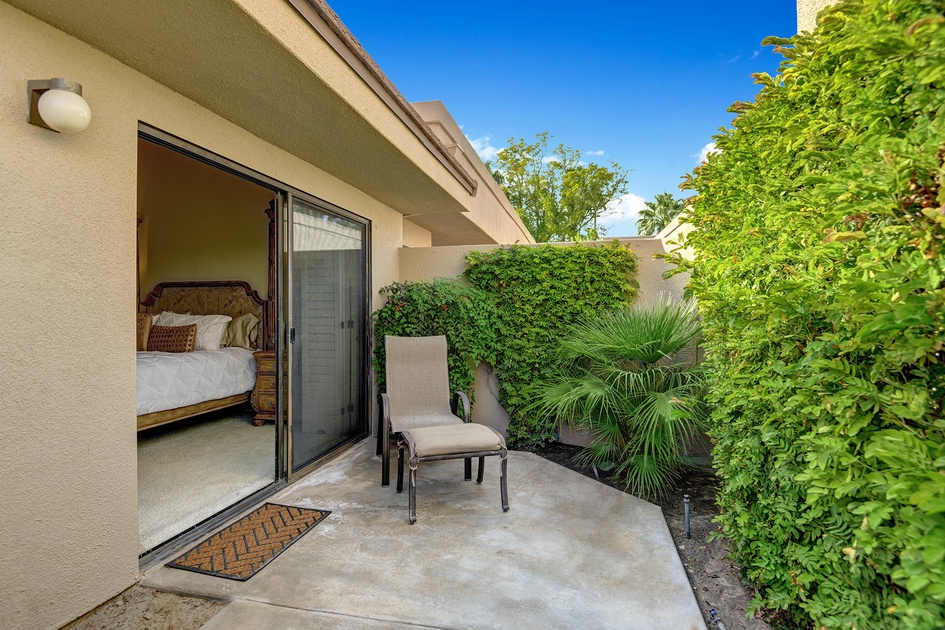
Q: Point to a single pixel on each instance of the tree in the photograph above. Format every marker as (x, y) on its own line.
(658, 213)
(558, 196)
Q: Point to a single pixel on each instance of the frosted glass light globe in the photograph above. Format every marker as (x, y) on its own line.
(64, 111)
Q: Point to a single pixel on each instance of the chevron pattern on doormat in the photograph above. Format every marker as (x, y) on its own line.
(242, 549)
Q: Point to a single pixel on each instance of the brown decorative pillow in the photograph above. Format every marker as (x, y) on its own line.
(144, 328)
(172, 338)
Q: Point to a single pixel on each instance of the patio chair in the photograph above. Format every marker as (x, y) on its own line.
(418, 393)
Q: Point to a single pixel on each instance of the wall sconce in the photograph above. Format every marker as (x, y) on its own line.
(57, 104)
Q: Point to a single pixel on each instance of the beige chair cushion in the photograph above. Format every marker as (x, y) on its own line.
(399, 424)
(454, 438)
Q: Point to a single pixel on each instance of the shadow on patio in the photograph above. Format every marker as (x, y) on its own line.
(571, 553)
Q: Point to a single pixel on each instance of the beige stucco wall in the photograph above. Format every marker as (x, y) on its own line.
(416, 236)
(674, 238)
(67, 256)
(262, 66)
(199, 222)
(449, 262)
(807, 11)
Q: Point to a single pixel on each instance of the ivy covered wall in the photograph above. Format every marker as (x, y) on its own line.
(509, 310)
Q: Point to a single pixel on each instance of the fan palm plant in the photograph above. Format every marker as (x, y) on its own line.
(618, 378)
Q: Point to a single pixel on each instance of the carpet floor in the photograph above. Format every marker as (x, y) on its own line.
(192, 469)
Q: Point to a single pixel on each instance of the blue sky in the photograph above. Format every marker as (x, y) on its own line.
(645, 84)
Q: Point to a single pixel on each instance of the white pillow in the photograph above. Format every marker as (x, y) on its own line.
(210, 328)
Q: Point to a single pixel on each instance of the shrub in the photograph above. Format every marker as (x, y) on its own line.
(819, 249)
(618, 378)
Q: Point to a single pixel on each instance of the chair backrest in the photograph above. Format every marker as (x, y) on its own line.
(417, 375)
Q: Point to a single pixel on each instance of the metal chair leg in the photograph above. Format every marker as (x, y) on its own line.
(412, 492)
(467, 468)
(482, 466)
(503, 487)
(380, 426)
(385, 462)
(400, 468)
(383, 437)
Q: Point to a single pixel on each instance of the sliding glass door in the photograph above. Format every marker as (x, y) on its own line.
(327, 331)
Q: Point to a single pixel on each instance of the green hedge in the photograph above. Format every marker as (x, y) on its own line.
(520, 302)
(819, 245)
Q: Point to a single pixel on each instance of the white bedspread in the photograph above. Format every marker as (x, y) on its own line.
(167, 380)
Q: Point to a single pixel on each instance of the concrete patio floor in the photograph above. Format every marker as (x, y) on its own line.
(570, 553)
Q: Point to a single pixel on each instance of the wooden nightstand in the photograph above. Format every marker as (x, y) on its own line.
(264, 394)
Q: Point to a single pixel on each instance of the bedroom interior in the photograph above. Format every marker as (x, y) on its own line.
(204, 249)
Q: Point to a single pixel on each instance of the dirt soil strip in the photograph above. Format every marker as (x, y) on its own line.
(140, 608)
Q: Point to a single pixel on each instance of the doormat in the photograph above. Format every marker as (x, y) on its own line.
(242, 549)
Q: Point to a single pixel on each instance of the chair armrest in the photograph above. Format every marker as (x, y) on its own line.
(454, 405)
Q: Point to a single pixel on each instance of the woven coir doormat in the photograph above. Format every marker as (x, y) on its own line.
(242, 549)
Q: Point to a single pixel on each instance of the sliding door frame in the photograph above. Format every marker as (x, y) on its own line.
(283, 194)
(285, 277)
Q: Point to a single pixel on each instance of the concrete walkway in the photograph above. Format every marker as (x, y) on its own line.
(570, 553)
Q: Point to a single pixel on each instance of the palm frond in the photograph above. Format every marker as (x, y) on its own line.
(647, 476)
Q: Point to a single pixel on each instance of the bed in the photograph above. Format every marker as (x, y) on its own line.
(172, 386)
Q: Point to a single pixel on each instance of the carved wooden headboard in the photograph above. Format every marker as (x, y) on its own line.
(213, 297)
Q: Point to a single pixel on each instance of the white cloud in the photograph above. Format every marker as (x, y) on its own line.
(601, 152)
(624, 208)
(706, 151)
(754, 54)
(485, 150)
(622, 215)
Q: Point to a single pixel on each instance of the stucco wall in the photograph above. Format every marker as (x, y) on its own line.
(489, 210)
(416, 236)
(674, 238)
(807, 11)
(67, 257)
(261, 65)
